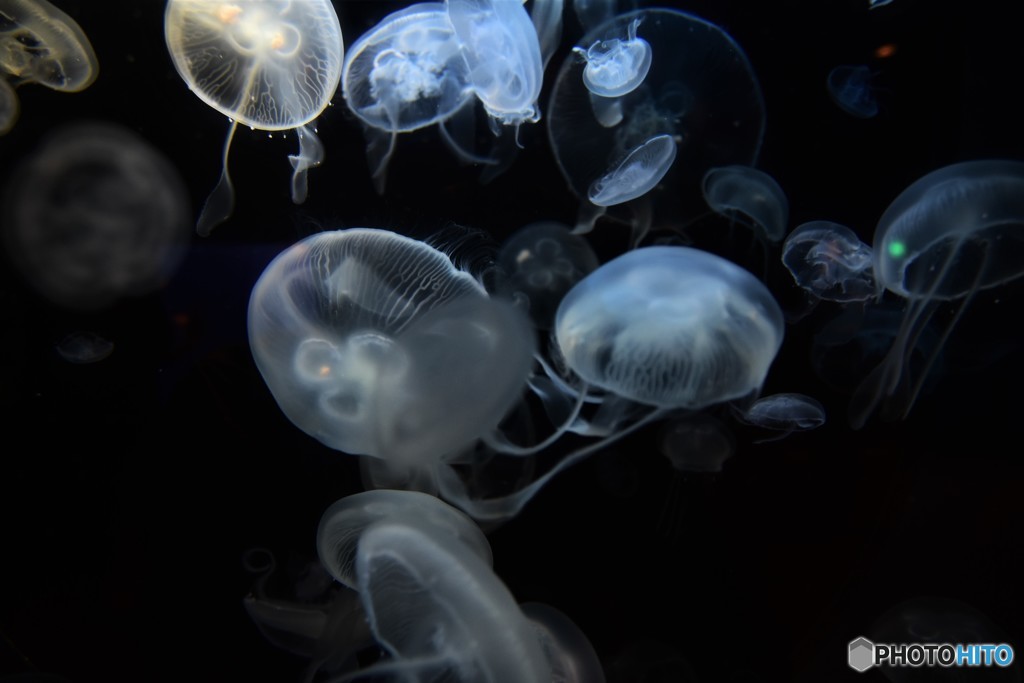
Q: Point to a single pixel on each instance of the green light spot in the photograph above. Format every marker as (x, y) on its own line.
(897, 249)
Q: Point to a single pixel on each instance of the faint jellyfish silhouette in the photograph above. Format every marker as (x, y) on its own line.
(748, 194)
(502, 52)
(82, 348)
(546, 16)
(566, 647)
(375, 344)
(616, 66)
(404, 74)
(929, 619)
(784, 413)
(636, 175)
(94, 215)
(703, 97)
(41, 44)
(542, 262)
(9, 107)
(950, 234)
(432, 600)
(697, 444)
(874, 4)
(829, 261)
(850, 88)
(268, 64)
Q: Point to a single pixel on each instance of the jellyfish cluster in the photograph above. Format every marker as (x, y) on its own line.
(465, 375)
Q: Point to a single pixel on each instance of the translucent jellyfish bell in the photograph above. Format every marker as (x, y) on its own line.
(747, 192)
(850, 88)
(267, 64)
(375, 344)
(502, 51)
(616, 66)
(829, 260)
(638, 173)
(699, 93)
(404, 74)
(670, 327)
(950, 234)
(785, 413)
(41, 44)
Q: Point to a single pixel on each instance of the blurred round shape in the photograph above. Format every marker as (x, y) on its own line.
(829, 260)
(745, 191)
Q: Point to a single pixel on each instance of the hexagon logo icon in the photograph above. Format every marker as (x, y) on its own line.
(861, 654)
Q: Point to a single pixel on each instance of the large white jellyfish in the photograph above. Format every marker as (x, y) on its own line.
(267, 64)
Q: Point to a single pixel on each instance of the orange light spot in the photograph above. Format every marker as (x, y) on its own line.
(885, 51)
(325, 370)
(228, 14)
(277, 42)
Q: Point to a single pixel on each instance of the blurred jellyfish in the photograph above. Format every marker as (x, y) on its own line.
(94, 215)
(697, 443)
(699, 96)
(784, 413)
(616, 66)
(433, 602)
(850, 88)
(745, 192)
(874, 4)
(542, 262)
(502, 52)
(641, 170)
(404, 74)
(950, 234)
(9, 107)
(41, 44)
(829, 261)
(267, 64)
(82, 348)
(941, 620)
(547, 21)
(375, 344)
(566, 648)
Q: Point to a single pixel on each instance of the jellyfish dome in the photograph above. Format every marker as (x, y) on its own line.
(698, 94)
(670, 327)
(375, 344)
(42, 44)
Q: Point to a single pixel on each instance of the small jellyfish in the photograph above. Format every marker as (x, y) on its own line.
(502, 51)
(405, 73)
(376, 344)
(83, 348)
(828, 260)
(9, 107)
(785, 413)
(94, 215)
(542, 262)
(697, 443)
(616, 66)
(950, 234)
(851, 90)
(743, 191)
(267, 64)
(636, 175)
(41, 44)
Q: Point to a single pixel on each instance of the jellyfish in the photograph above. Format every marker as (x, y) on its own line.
(616, 67)
(785, 413)
(41, 44)
(404, 74)
(829, 261)
(268, 64)
(542, 262)
(743, 191)
(697, 443)
(502, 52)
(851, 90)
(875, 4)
(375, 344)
(433, 602)
(96, 214)
(651, 332)
(635, 175)
(699, 96)
(952, 233)
(9, 107)
(83, 348)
